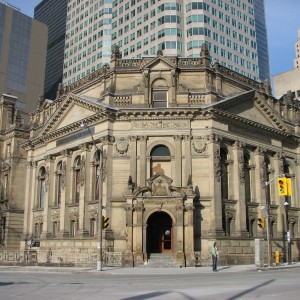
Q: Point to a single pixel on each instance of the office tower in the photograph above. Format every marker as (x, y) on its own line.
(289, 81)
(53, 13)
(180, 28)
(23, 46)
(88, 38)
(262, 41)
(234, 31)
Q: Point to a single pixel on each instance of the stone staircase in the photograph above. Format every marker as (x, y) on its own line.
(161, 260)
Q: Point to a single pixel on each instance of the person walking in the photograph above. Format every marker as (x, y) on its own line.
(214, 255)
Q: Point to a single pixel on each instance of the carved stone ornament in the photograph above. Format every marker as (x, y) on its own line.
(121, 147)
(217, 165)
(82, 170)
(199, 145)
(241, 169)
(47, 179)
(161, 124)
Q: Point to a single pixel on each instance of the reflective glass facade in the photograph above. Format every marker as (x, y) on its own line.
(53, 13)
(16, 78)
(262, 41)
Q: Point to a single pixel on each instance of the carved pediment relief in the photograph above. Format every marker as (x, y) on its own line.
(159, 185)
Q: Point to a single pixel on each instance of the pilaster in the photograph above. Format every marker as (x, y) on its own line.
(239, 189)
(178, 160)
(143, 162)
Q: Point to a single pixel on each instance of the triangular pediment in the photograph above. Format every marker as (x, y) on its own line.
(160, 63)
(251, 106)
(71, 111)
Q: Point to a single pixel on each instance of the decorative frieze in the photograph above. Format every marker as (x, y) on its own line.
(158, 124)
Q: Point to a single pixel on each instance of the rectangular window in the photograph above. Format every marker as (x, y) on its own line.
(159, 99)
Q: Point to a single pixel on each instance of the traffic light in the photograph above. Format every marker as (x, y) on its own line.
(289, 186)
(282, 186)
(104, 222)
(261, 222)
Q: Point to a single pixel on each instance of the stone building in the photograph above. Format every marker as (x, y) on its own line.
(177, 150)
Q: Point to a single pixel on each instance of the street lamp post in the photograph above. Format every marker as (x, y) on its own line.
(286, 207)
(99, 182)
(269, 238)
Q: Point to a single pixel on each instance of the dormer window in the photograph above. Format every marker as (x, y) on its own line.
(159, 99)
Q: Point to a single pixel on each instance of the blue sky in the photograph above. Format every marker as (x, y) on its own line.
(283, 20)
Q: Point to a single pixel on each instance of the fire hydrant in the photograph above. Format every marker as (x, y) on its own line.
(277, 257)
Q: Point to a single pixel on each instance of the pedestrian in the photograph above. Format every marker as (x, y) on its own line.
(214, 255)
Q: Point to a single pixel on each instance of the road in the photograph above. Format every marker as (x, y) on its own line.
(279, 284)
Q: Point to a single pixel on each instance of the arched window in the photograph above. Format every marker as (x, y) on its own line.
(93, 227)
(160, 160)
(77, 176)
(97, 174)
(41, 187)
(58, 184)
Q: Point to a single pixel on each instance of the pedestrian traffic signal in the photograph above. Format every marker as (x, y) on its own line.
(282, 186)
(104, 222)
(261, 222)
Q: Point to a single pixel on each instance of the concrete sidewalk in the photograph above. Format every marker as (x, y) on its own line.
(143, 270)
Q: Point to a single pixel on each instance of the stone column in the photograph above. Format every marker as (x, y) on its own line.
(83, 175)
(215, 222)
(189, 232)
(239, 189)
(178, 160)
(278, 170)
(143, 161)
(29, 199)
(133, 155)
(188, 160)
(138, 234)
(65, 193)
(128, 259)
(49, 192)
(179, 234)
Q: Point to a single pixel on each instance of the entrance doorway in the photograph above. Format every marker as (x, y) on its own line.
(159, 233)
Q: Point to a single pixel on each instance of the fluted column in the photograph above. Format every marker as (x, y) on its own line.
(239, 189)
(49, 190)
(215, 206)
(178, 160)
(188, 160)
(65, 193)
(133, 157)
(278, 170)
(83, 177)
(29, 202)
(143, 161)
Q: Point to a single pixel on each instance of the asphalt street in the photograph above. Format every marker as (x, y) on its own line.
(133, 284)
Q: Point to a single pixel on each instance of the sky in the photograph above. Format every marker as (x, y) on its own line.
(282, 18)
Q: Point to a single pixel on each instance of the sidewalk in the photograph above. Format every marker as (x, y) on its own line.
(143, 270)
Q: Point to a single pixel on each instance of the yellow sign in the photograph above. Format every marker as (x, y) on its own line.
(282, 186)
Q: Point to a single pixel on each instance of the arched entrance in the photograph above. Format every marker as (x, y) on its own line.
(159, 233)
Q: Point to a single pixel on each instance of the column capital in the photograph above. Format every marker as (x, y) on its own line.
(213, 138)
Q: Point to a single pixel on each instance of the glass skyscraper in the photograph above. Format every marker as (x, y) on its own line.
(53, 13)
(22, 57)
(234, 30)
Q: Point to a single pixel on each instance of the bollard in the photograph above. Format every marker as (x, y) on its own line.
(277, 257)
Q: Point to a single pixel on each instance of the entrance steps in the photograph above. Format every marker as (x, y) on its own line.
(161, 260)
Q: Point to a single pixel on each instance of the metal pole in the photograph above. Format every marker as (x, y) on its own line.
(100, 252)
(288, 237)
(269, 239)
